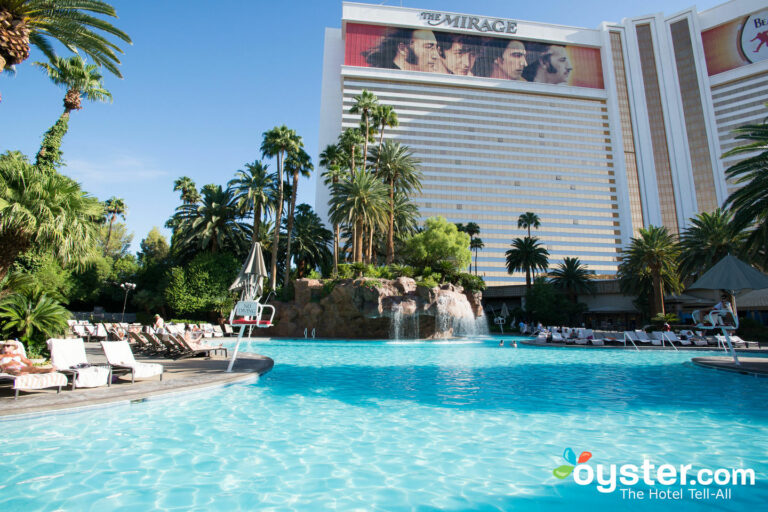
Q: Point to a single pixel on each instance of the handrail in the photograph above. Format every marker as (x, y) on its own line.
(667, 336)
(630, 339)
(716, 317)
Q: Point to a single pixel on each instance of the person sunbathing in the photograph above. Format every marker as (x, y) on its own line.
(13, 363)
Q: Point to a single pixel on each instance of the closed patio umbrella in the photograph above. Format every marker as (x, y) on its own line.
(251, 277)
(735, 276)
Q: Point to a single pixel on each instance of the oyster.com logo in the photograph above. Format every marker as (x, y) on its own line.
(569, 455)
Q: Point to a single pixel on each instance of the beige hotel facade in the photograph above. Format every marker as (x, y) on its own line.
(622, 126)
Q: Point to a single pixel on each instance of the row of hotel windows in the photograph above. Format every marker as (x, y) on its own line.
(519, 170)
(430, 178)
(480, 193)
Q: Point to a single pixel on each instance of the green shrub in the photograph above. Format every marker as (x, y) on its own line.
(471, 283)
(396, 271)
(428, 282)
(314, 274)
(345, 271)
(328, 286)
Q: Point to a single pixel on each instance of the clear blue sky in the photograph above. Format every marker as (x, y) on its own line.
(204, 80)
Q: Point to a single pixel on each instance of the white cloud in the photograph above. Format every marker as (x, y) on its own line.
(120, 169)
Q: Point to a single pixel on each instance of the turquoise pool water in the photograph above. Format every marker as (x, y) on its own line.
(459, 425)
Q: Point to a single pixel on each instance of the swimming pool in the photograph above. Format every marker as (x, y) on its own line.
(456, 425)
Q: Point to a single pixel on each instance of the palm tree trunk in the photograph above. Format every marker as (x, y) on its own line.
(365, 145)
(109, 234)
(658, 293)
(335, 250)
(256, 224)
(475, 262)
(528, 278)
(290, 227)
(391, 228)
(381, 143)
(364, 240)
(48, 157)
(371, 256)
(359, 241)
(278, 220)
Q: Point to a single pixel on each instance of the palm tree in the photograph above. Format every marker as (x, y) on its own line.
(254, 190)
(476, 244)
(749, 202)
(651, 261)
(297, 163)
(36, 22)
(573, 277)
(31, 313)
(311, 241)
(360, 200)
(365, 103)
(47, 211)
(384, 116)
(527, 255)
(278, 142)
(710, 238)
(331, 159)
(349, 142)
(528, 220)
(113, 207)
(188, 189)
(400, 170)
(80, 80)
(212, 225)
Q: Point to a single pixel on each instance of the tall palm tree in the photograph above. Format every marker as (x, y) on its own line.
(296, 163)
(360, 200)
(311, 239)
(384, 116)
(528, 220)
(114, 207)
(349, 142)
(400, 170)
(70, 22)
(47, 211)
(254, 189)
(710, 238)
(212, 225)
(573, 277)
(365, 103)
(188, 189)
(278, 142)
(80, 80)
(527, 255)
(476, 244)
(750, 202)
(331, 159)
(651, 261)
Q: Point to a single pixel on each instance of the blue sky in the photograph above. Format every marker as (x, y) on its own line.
(204, 80)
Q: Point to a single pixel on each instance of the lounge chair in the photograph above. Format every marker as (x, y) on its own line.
(33, 381)
(68, 356)
(192, 349)
(141, 343)
(120, 357)
(642, 336)
(217, 332)
(597, 342)
(744, 344)
(557, 337)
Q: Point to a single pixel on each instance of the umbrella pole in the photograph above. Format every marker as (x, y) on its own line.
(730, 345)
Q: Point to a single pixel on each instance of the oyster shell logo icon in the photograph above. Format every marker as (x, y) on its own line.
(569, 455)
(754, 37)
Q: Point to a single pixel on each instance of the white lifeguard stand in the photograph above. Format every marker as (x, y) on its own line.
(724, 320)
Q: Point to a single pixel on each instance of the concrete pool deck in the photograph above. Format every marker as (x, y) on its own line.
(179, 376)
(757, 366)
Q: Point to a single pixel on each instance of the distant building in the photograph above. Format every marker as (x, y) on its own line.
(598, 131)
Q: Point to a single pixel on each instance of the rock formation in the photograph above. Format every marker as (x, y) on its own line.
(373, 309)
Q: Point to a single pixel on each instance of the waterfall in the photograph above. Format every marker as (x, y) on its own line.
(456, 316)
(402, 326)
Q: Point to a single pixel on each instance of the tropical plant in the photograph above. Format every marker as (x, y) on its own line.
(297, 162)
(476, 244)
(400, 170)
(573, 277)
(750, 202)
(365, 103)
(188, 189)
(527, 255)
(254, 190)
(114, 207)
(709, 238)
(33, 316)
(349, 142)
(199, 286)
(384, 116)
(527, 221)
(212, 225)
(278, 142)
(331, 159)
(361, 200)
(45, 210)
(311, 241)
(440, 241)
(80, 80)
(650, 265)
(35, 22)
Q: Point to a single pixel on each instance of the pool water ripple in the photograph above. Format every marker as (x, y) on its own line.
(397, 426)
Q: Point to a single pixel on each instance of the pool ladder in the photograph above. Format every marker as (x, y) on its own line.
(305, 333)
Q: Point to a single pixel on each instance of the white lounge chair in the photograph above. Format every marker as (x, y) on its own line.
(33, 381)
(557, 338)
(597, 342)
(642, 336)
(68, 355)
(119, 356)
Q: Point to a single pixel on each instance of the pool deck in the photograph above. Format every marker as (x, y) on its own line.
(179, 376)
(757, 366)
(629, 346)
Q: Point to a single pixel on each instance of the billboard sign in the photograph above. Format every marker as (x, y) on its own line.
(456, 53)
(737, 43)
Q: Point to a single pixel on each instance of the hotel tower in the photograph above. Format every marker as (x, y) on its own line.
(599, 131)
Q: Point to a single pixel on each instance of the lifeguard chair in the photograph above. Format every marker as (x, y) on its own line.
(724, 320)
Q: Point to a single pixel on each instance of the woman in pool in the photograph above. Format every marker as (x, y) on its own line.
(15, 364)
